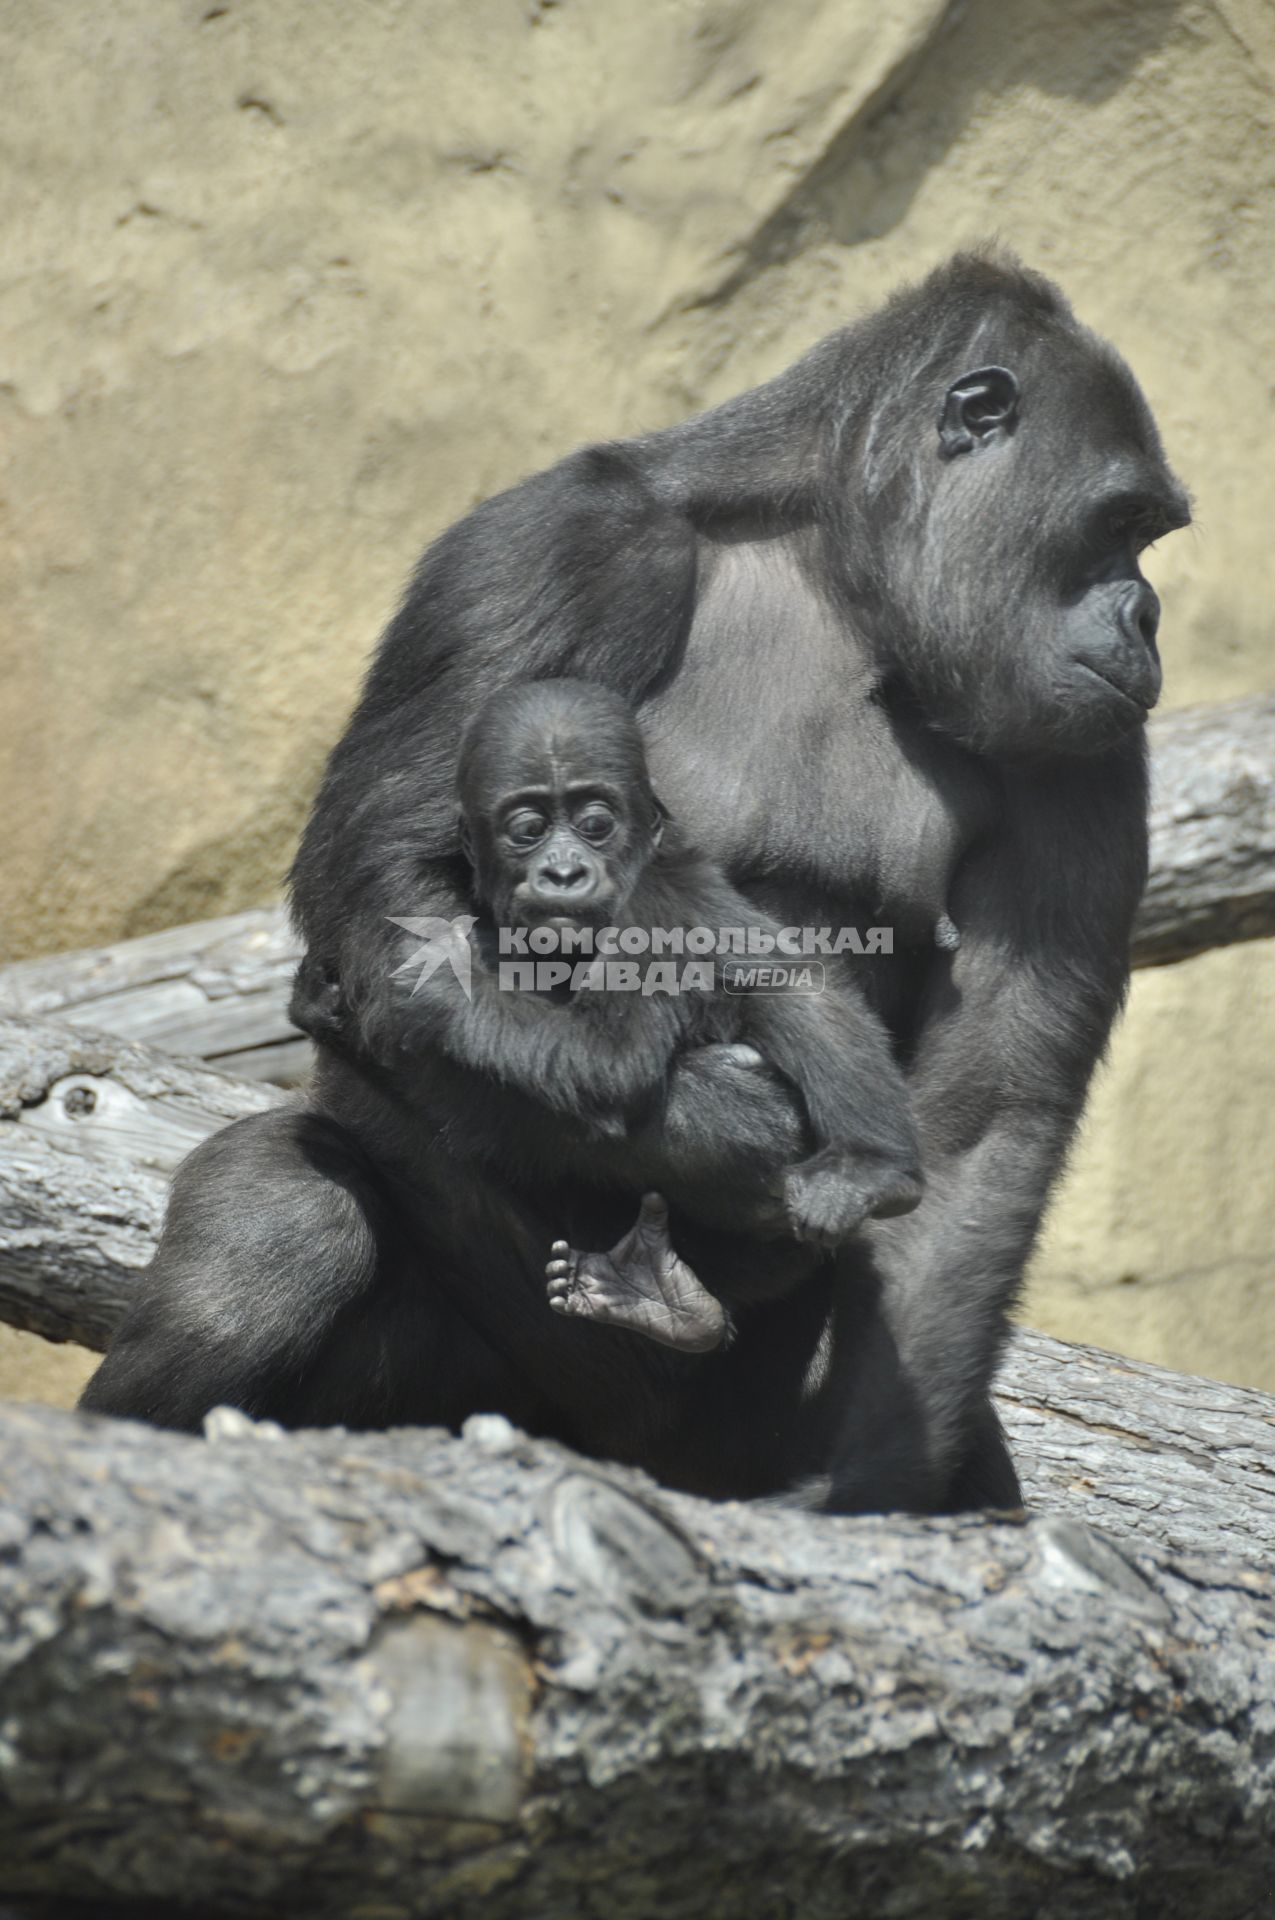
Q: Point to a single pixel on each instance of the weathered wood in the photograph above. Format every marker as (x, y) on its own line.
(1212, 831)
(404, 1676)
(1168, 1457)
(90, 1130)
(219, 989)
(81, 1198)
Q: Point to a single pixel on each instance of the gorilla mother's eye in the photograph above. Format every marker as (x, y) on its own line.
(525, 827)
(1122, 528)
(1129, 522)
(596, 823)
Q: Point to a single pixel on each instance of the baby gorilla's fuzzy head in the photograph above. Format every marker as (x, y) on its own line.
(558, 818)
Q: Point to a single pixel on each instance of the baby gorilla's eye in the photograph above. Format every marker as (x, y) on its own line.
(525, 828)
(596, 825)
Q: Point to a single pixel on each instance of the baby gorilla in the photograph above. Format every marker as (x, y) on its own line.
(566, 838)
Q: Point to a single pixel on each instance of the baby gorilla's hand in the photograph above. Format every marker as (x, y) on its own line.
(829, 1195)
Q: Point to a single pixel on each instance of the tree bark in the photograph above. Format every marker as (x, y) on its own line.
(90, 1130)
(219, 989)
(1212, 831)
(401, 1676)
(81, 1199)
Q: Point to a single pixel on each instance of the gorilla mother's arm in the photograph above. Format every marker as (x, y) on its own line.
(581, 571)
(1010, 1030)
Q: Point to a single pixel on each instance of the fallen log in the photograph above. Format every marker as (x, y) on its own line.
(219, 989)
(1212, 876)
(402, 1676)
(81, 1198)
(90, 1131)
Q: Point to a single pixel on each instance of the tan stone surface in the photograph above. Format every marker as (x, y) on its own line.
(35, 1369)
(285, 285)
(1162, 1241)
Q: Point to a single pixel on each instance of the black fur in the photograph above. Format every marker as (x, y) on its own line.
(883, 622)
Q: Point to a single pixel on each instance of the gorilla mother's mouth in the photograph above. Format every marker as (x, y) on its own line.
(1141, 707)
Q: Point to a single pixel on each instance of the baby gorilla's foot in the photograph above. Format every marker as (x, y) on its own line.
(640, 1284)
(830, 1195)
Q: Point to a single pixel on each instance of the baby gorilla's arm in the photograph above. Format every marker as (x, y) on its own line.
(725, 1132)
(591, 1063)
(640, 1284)
(853, 1154)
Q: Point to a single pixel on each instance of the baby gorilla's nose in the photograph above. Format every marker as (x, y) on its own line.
(565, 872)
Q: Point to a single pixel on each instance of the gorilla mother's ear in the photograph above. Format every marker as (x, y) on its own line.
(974, 408)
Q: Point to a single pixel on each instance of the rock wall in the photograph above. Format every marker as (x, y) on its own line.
(286, 285)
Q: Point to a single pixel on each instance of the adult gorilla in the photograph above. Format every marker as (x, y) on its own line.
(885, 627)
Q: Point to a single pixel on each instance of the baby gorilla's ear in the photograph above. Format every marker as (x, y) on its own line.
(317, 1005)
(658, 818)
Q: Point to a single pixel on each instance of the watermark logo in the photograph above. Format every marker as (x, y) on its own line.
(444, 943)
(645, 960)
(772, 944)
(788, 976)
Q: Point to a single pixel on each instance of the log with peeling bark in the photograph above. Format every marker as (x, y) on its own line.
(404, 1676)
(91, 1128)
(219, 989)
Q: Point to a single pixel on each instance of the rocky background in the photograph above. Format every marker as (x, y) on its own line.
(287, 285)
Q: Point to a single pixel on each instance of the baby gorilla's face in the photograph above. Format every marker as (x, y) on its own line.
(557, 814)
(556, 853)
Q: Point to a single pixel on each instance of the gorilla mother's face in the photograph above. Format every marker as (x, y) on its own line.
(1022, 622)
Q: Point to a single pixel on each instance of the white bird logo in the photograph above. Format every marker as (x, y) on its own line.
(442, 940)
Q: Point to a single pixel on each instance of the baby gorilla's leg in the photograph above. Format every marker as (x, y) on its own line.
(640, 1284)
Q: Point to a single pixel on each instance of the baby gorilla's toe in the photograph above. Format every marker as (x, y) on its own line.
(562, 1278)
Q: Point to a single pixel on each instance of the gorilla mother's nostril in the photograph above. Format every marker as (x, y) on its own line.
(1140, 615)
(1149, 620)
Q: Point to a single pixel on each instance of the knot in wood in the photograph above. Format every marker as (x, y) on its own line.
(623, 1549)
